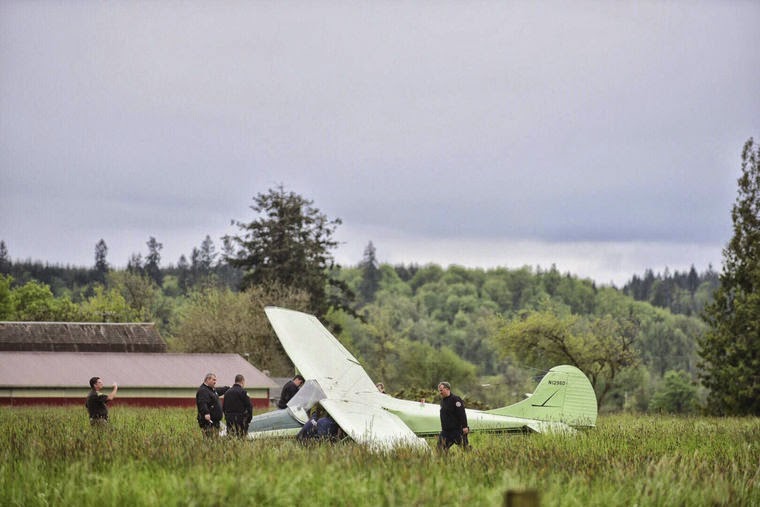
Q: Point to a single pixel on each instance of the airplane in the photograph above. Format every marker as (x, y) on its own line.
(562, 402)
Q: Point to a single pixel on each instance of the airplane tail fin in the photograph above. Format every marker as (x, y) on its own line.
(563, 395)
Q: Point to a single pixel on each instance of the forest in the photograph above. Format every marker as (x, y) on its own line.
(410, 325)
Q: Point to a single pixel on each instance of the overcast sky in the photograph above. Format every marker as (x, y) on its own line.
(603, 137)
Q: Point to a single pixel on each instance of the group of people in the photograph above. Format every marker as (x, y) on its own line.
(238, 410)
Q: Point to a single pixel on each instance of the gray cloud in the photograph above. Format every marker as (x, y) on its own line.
(549, 125)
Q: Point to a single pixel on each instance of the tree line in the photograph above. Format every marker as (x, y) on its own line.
(680, 342)
(412, 325)
(684, 293)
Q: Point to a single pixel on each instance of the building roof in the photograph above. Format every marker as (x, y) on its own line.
(81, 337)
(74, 369)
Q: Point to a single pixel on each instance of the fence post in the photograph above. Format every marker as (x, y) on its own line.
(521, 498)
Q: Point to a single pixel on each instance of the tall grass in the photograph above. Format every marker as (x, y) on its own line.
(51, 456)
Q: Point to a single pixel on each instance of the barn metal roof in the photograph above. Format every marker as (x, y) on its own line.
(81, 337)
(74, 369)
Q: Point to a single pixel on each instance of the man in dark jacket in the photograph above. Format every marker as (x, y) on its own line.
(209, 406)
(238, 410)
(96, 401)
(454, 428)
(320, 427)
(289, 390)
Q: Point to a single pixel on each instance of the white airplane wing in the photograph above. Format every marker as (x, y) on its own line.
(317, 354)
(351, 397)
(372, 425)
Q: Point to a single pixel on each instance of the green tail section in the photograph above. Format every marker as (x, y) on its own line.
(563, 395)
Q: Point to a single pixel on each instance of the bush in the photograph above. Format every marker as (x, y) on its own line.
(676, 395)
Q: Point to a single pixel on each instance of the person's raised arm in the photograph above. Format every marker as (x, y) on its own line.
(113, 392)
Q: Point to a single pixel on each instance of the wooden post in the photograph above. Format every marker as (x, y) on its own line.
(521, 498)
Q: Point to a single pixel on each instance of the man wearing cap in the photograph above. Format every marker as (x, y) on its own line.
(454, 428)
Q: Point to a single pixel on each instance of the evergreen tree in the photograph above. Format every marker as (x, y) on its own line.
(5, 260)
(101, 265)
(228, 249)
(647, 282)
(229, 276)
(153, 260)
(196, 271)
(730, 350)
(370, 282)
(692, 281)
(203, 263)
(288, 243)
(135, 264)
(405, 272)
(207, 255)
(183, 274)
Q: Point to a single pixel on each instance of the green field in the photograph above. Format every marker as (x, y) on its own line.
(51, 456)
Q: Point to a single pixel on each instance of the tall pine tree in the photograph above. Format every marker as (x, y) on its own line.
(730, 350)
(289, 243)
(153, 261)
(5, 260)
(183, 274)
(101, 264)
(370, 275)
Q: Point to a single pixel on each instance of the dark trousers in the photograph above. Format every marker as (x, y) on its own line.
(447, 438)
(210, 429)
(237, 424)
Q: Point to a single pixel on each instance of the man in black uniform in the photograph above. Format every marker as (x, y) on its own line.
(209, 406)
(238, 410)
(454, 428)
(289, 390)
(96, 401)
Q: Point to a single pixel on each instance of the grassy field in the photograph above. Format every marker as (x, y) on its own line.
(51, 456)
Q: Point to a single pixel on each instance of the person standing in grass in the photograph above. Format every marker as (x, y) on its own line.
(209, 406)
(96, 401)
(238, 410)
(289, 390)
(454, 428)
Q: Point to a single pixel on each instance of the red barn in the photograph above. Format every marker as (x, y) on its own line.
(144, 378)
